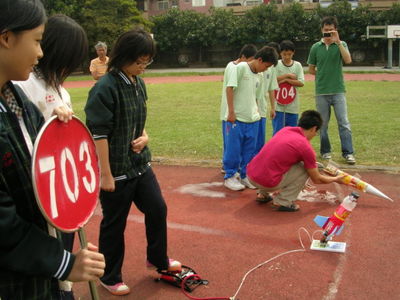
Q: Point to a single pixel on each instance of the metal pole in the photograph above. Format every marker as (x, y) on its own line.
(399, 53)
(92, 285)
(390, 54)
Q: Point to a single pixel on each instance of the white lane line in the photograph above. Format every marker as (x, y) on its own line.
(184, 227)
(333, 287)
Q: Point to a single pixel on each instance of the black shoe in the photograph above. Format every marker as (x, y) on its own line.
(262, 199)
(291, 208)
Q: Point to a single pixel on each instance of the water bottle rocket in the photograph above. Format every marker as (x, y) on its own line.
(334, 224)
(355, 182)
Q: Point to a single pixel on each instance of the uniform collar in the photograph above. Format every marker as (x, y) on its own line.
(124, 78)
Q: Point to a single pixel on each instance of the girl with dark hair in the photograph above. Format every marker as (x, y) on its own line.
(65, 47)
(44, 86)
(116, 114)
(31, 260)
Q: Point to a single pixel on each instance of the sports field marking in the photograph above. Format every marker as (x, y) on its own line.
(333, 287)
(202, 190)
(184, 227)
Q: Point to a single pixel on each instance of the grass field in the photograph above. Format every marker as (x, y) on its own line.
(167, 73)
(183, 121)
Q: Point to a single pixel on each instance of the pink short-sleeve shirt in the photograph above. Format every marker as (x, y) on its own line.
(285, 149)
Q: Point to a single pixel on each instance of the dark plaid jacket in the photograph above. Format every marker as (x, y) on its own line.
(116, 110)
(29, 257)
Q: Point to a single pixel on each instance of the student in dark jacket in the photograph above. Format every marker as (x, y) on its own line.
(31, 260)
(116, 115)
(44, 86)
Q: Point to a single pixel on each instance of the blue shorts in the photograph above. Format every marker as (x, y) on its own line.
(283, 119)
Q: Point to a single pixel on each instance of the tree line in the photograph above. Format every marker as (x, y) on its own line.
(264, 23)
(106, 19)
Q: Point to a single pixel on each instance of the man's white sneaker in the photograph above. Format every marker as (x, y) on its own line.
(233, 184)
(245, 181)
(350, 159)
(326, 156)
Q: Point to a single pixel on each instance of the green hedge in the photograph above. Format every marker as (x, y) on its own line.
(177, 29)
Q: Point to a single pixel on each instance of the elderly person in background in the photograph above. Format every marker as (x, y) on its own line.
(98, 66)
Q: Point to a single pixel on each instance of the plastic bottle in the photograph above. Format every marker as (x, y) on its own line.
(347, 178)
(335, 222)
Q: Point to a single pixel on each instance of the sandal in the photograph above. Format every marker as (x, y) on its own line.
(291, 208)
(262, 199)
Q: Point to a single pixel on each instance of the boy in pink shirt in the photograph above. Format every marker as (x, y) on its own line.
(286, 162)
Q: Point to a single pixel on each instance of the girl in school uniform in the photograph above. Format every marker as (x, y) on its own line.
(116, 115)
(65, 47)
(31, 261)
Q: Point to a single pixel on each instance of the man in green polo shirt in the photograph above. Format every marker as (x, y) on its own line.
(325, 61)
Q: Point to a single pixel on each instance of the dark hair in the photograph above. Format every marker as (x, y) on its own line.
(248, 50)
(329, 20)
(287, 45)
(129, 47)
(274, 45)
(65, 47)
(309, 119)
(20, 15)
(267, 54)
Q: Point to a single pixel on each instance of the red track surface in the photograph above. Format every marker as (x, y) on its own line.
(205, 78)
(223, 237)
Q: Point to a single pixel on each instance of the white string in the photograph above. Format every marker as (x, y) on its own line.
(308, 234)
(322, 232)
(275, 257)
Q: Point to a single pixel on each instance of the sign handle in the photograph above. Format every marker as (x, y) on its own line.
(92, 285)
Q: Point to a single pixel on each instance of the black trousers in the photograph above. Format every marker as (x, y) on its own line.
(145, 192)
(14, 287)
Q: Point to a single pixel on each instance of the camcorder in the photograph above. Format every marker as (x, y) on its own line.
(327, 34)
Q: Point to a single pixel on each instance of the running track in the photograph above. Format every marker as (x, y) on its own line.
(222, 234)
(208, 78)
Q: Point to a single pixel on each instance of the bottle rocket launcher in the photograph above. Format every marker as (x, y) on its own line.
(333, 225)
(355, 182)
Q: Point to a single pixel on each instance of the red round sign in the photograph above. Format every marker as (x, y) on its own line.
(285, 94)
(65, 173)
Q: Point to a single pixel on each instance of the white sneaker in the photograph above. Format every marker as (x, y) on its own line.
(233, 184)
(350, 159)
(245, 181)
(326, 156)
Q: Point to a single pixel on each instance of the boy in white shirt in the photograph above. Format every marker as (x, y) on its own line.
(290, 76)
(242, 117)
(246, 55)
